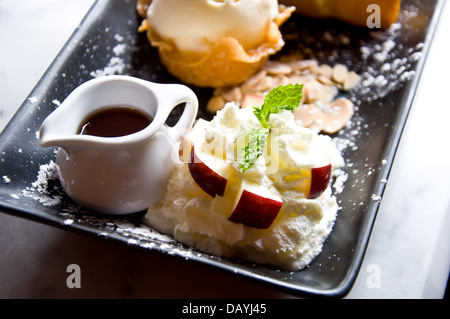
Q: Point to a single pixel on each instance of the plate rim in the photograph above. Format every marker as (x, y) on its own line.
(347, 282)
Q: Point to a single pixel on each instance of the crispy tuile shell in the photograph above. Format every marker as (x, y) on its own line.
(142, 7)
(228, 63)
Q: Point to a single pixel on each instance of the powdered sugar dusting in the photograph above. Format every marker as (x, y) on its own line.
(40, 189)
(47, 190)
(141, 232)
(116, 64)
(6, 179)
(386, 71)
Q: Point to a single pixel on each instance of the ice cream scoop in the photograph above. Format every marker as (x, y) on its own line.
(213, 43)
(196, 25)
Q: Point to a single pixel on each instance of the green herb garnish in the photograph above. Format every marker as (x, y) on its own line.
(255, 147)
(286, 97)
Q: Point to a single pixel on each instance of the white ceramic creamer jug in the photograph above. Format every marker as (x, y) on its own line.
(123, 174)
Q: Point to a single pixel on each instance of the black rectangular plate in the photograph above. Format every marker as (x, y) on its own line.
(107, 42)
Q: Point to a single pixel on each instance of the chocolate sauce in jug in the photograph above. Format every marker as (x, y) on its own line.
(115, 122)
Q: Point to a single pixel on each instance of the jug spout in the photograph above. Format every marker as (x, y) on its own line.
(47, 138)
(57, 131)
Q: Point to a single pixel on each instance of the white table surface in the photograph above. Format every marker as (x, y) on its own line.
(409, 247)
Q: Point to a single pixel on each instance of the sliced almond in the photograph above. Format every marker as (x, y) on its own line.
(215, 104)
(253, 81)
(324, 80)
(266, 84)
(351, 81)
(232, 94)
(309, 115)
(327, 94)
(303, 65)
(275, 67)
(337, 115)
(325, 71)
(321, 84)
(280, 79)
(299, 79)
(340, 72)
(311, 91)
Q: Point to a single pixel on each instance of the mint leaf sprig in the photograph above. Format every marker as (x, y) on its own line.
(286, 97)
(255, 147)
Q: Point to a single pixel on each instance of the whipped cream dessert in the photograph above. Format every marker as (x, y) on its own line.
(280, 181)
(197, 25)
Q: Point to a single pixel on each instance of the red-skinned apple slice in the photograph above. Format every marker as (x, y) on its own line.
(252, 100)
(251, 204)
(311, 182)
(209, 172)
(320, 178)
(255, 205)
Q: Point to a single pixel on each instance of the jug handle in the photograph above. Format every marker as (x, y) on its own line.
(172, 96)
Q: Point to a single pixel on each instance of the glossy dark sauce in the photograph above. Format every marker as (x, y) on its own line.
(115, 122)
